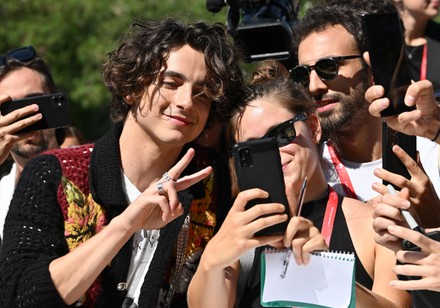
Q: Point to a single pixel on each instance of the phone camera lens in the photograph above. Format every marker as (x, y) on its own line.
(245, 157)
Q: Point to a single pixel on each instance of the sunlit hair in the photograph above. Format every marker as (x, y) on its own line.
(145, 49)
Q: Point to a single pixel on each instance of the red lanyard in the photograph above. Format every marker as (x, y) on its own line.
(329, 216)
(424, 65)
(342, 172)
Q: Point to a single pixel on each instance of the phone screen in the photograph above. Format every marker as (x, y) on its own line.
(388, 58)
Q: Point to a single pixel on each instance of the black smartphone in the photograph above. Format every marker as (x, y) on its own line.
(407, 245)
(258, 165)
(390, 161)
(389, 65)
(53, 107)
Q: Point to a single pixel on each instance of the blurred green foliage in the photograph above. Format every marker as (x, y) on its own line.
(74, 36)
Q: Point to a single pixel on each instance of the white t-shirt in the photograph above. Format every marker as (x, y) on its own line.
(144, 245)
(7, 187)
(362, 177)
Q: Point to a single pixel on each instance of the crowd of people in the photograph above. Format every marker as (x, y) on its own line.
(150, 215)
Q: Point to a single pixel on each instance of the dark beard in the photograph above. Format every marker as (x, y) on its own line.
(351, 112)
(35, 149)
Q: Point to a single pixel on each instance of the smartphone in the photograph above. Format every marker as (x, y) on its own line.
(388, 59)
(390, 161)
(407, 245)
(258, 165)
(53, 107)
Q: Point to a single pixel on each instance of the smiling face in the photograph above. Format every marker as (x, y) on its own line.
(341, 100)
(174, 108)
(299, 158)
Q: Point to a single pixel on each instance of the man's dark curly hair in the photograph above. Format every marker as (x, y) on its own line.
(146, 48)
(340, 12)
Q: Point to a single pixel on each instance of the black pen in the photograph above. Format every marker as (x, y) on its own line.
(412, 223)
(299, 207)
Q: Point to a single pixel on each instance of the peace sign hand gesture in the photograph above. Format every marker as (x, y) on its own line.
(158, 205)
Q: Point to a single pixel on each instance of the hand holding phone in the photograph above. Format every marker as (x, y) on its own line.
(53, 107)
(258, 165)
(388, 59)
(390, 161)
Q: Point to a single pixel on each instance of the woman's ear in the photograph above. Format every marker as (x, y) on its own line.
(315, 127)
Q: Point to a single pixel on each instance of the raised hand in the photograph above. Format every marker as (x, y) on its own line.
(423, 121)
(13, 122)
(421, 191)
(236, 235)
(159, 204)
(422, 264)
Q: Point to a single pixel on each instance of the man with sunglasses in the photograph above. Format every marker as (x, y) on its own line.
(329, 44)
(22, 74)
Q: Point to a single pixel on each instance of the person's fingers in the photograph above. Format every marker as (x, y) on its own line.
(265, 221)
(418, 90)
(421, 240)
(374, 95)
(189, 180)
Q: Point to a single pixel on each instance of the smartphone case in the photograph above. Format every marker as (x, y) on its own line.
(390, 161)
(258, 165)
(53, 107)
(389, 64)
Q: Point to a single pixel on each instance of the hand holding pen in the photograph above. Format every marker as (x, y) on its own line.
(412, 223)
(392, 210)
(299, 208)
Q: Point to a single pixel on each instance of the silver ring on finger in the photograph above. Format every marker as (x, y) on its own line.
(160, 189)
(167, 177)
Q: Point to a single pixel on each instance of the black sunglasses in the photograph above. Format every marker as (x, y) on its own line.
(285, 132)
(22, 54)
(327, 69)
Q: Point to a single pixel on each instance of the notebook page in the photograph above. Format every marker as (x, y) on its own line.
(327, 280)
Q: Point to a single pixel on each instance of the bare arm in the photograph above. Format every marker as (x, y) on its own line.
(215, 281)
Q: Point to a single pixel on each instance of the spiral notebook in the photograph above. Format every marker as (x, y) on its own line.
(327, 281)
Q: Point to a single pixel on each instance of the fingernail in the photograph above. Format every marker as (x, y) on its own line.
(409, 100)
(406, 204)
(393, 283)
(391, 228)
(376, 172)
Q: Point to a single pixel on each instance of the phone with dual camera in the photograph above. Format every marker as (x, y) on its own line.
(258, 165)
(53, 107)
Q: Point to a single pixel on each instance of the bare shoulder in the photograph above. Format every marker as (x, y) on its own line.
(355, 209)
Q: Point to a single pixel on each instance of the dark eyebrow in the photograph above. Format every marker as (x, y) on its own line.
(175, 74)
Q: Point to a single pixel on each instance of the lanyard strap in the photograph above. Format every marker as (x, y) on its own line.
(342, 172)
(329, 216)
(424, 64)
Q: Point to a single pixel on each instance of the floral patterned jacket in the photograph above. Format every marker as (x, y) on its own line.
(67, 196)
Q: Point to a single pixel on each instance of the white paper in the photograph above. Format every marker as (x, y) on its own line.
(327, 280)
